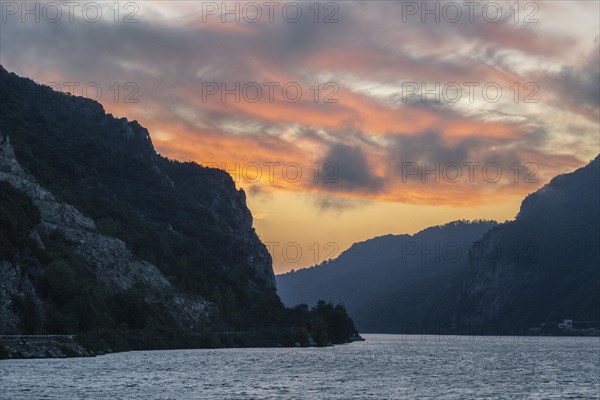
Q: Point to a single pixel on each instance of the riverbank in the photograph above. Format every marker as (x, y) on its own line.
(67, 346)
(44, 350)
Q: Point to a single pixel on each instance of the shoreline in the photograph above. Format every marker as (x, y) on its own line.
(73, 349)
(62, 350)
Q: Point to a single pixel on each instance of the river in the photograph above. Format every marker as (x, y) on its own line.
(382, 367)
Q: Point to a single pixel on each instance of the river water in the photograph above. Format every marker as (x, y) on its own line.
(383, 367)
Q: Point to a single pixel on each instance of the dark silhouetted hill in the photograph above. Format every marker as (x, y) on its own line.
(389, 280)
(103, 237)
(540, 268)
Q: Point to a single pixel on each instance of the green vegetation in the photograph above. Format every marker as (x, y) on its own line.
(28, 310)
(3, 352)
(325, 323)
(18, 216)
(108, 169)
(188, 220)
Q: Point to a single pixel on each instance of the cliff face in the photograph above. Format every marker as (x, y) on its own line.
(13, 285)
(543, 266)
(112, 263)
(107, 258)
(125, 239)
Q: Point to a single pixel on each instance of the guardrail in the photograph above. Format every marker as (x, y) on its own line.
(24, 339)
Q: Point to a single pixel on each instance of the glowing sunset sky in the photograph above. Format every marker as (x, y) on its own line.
(346, 162)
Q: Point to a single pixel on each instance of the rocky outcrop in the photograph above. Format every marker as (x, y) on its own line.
(217, 192)
(47, 350)
(13, 284)
(112, 263)
(494, 280)
(543, 266)
(100, 221)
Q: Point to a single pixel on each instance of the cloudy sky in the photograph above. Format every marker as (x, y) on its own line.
(341, 120)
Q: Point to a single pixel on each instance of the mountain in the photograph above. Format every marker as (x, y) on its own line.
(540, 268)
(102, 237)
(548, 266)
(389, 280)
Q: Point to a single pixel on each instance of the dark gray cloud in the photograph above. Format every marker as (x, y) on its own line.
(430, 148)
(578, 86)
(345, 169)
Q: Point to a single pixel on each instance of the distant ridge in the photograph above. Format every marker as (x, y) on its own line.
(547, 269)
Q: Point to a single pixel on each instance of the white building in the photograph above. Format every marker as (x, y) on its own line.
(566, 324)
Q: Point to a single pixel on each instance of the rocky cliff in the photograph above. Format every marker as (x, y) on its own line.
(99, 233)
(544, 265)
(107, 258)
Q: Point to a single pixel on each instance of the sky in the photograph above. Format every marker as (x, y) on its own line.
(340, 120)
